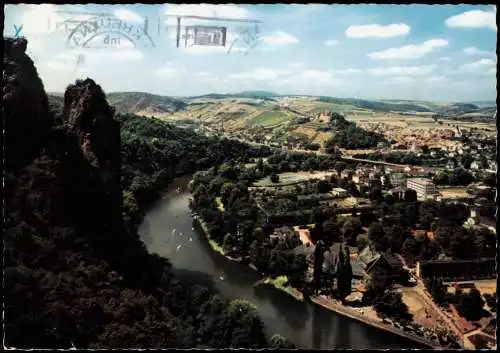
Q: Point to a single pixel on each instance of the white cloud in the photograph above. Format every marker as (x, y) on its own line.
(473, 19)
(279, 38)
(403, 79)
(296, 64)
(170, 69)
(331, 42)
(349, 71)
(402, 70)
(476, 51)
(315, 77)
(204, 10)
(202, 74)
(478, 66)
(57, 65)
(445, 58)
(380, 31)
(435, 79)
(411, 51)
(312, 74)
(260, 74)
(127, 15)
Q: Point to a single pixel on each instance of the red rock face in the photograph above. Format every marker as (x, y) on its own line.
(87, 113)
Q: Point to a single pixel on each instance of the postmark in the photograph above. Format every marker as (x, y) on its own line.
(246, 38)
(205, 35)
(104, 31)
(240, 35)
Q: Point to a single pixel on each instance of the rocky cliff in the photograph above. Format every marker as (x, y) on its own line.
(25, 106)
(87, 113)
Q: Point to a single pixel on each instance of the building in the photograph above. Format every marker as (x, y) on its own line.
(458, 270)
(398, 180)
(424, 187)
(474, 165)
(339, 192)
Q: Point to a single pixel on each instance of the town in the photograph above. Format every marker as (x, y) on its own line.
(342, 229)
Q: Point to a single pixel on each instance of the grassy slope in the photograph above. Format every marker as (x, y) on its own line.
(270, 118)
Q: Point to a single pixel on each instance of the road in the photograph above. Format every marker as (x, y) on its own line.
(420, 289)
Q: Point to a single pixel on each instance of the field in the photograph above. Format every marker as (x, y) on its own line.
(285, 179)
(452, 193)
(291, 178)
(321, 137)
(270, 118)
(310, 133)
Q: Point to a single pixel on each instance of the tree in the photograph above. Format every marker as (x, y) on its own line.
(344, 273)
(410, 195)
(257, 257)
(376, 236)
(318, 264)
(461, 244)
(298, 270)
(428, 210)
(275, 178)
(331, 231)
(362, 241)
(396, 236)
(485, 242)
(453, 215)
(280, 342)
(323, 187)
(436, 289)
(390, 304)
(409, 217)
(376, 193)
(410, 249)
(260, 165)
(471, 305)
(350, 229)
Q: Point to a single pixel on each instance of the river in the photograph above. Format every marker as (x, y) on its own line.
(306, 324)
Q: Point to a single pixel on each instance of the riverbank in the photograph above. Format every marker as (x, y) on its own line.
(351, 313)
(279, 283)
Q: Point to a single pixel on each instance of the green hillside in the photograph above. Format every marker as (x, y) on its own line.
(132, 102)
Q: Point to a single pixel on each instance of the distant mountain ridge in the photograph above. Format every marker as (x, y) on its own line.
(148, 103)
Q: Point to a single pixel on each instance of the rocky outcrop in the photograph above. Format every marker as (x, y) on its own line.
(25, 107)
(89, 116)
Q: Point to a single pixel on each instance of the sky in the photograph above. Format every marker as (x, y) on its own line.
(415, 52)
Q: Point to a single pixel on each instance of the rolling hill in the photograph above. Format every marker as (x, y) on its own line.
(146, 103)
(267, 116)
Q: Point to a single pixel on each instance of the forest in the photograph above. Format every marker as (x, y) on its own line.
(348, 135)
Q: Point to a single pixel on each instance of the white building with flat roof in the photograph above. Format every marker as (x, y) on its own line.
(423, 186)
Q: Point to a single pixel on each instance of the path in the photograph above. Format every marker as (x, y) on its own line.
(420, 289)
